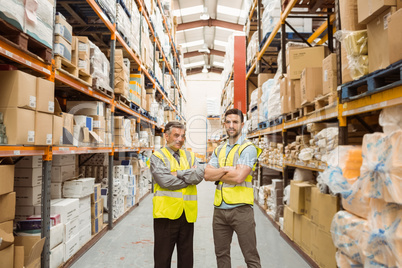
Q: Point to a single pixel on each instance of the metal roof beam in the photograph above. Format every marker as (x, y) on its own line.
(209, 23)
(199, 70)
(196, 53)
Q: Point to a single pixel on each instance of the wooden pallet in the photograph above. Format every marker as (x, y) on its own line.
(270, 123)
(66, 66)
(84, 76)
(293, 115)
(106, 91)
(319, 103)
(15, 37)
(122, 100)
(374, 82)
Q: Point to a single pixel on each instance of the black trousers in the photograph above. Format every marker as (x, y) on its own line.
(167, 234)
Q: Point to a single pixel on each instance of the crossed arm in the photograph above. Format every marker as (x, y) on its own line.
(230, 175)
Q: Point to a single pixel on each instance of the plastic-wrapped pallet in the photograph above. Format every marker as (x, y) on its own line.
(213, 106)
(252, 48)
(100, 68)
(109, 6)
(123, 21)
(135, 29)
(381, 170)
(266, 91)
(391, 119)
(274, 102)
(350, 235)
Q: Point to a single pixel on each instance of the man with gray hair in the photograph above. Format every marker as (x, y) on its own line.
(176, 173)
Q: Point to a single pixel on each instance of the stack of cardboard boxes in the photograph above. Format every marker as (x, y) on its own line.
(27, 105)
(96, 209)
(63, 38)
(81, 54)
(7, 215)
(307, 222)
(63, 169)
(137, 92)
(121, 74)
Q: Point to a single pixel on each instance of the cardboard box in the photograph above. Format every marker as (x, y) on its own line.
(67, 208)
(28, 177)
(30, 162)
(395, 36)
(297, 196)
(56, 235)
(85, 218)
(18, 90)
(18, 257)
(349, 16)
(57, 133)
(371, 9)
(74, 51)
(7, 257)
(85, 203)
(71, 247)
(284, 96)
(299, 59)
(68, 128)
(311, 84)
(63, 28)
(85, 234)
(377, 32)
(323, 209)
(23, 212)
(307, 201)
(7, 206)
(398, 4)
(83, 47)
(56, 190)
(7, 226)
(288, 222)
(7, 176)
(62, 48)
(44, 96)
(63, 160)
(56, 256)
(78, 188)
(20, 124)
(297, 229)
(97, 209)
(329, 74)
(62, 173)
(43, 129)
(33, 246)
(71, 229)
(97, 224)
(294, 94)
(86, 108)
(28, 196)
(98, 122)
(96, 196)
(263, 77)
(323, 248)
(306, 235)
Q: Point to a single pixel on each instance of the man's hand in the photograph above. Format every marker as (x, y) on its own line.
(214, 174)
(174, 173)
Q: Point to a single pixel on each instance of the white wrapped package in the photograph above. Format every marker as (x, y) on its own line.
(100, 68)
(391, 119)
(381, 170)
(254, 98)
(350, 234)
(274, 102)
(266, 91)
(303, 175)
(306, 154)
(384, 246)
(343, 261)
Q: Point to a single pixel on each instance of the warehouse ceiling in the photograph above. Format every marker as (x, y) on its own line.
(196, 33)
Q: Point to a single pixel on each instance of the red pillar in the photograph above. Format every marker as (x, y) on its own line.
(239, 73)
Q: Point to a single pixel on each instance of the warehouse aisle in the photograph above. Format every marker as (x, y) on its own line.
(130, 243)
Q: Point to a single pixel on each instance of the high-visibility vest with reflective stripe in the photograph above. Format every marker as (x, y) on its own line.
(234, 193)
(170, 203)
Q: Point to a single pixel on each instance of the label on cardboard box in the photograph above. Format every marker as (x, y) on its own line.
(32, 102)
(51, 106)
(49, 139)
(31, 136)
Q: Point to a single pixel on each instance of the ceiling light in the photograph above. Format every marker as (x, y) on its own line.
(205, 15)
(204, 70)
(204, 49)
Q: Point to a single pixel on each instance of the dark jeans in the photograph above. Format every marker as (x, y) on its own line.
(167, 234)
(241, 221)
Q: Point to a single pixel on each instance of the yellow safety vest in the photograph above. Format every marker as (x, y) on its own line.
(170, 203)
(239, 193)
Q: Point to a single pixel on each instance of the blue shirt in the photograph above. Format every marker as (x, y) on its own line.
(247, 157)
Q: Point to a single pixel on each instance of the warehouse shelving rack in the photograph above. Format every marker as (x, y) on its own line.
(340, 112)
(48, 71)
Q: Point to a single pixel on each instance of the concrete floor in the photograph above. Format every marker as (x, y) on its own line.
(130, 243)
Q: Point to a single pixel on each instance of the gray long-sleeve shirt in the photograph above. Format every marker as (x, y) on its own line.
(162, 175)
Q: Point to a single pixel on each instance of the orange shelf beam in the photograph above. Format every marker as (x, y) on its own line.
(57, 150)
(101, 15)
(13, 150)
(19, 56)
(65, 79)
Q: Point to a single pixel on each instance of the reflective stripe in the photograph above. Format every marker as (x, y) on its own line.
(246, 184)
(166, 160)
(219, 187)
(169, 194)
(189, 158)
(190, 198)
